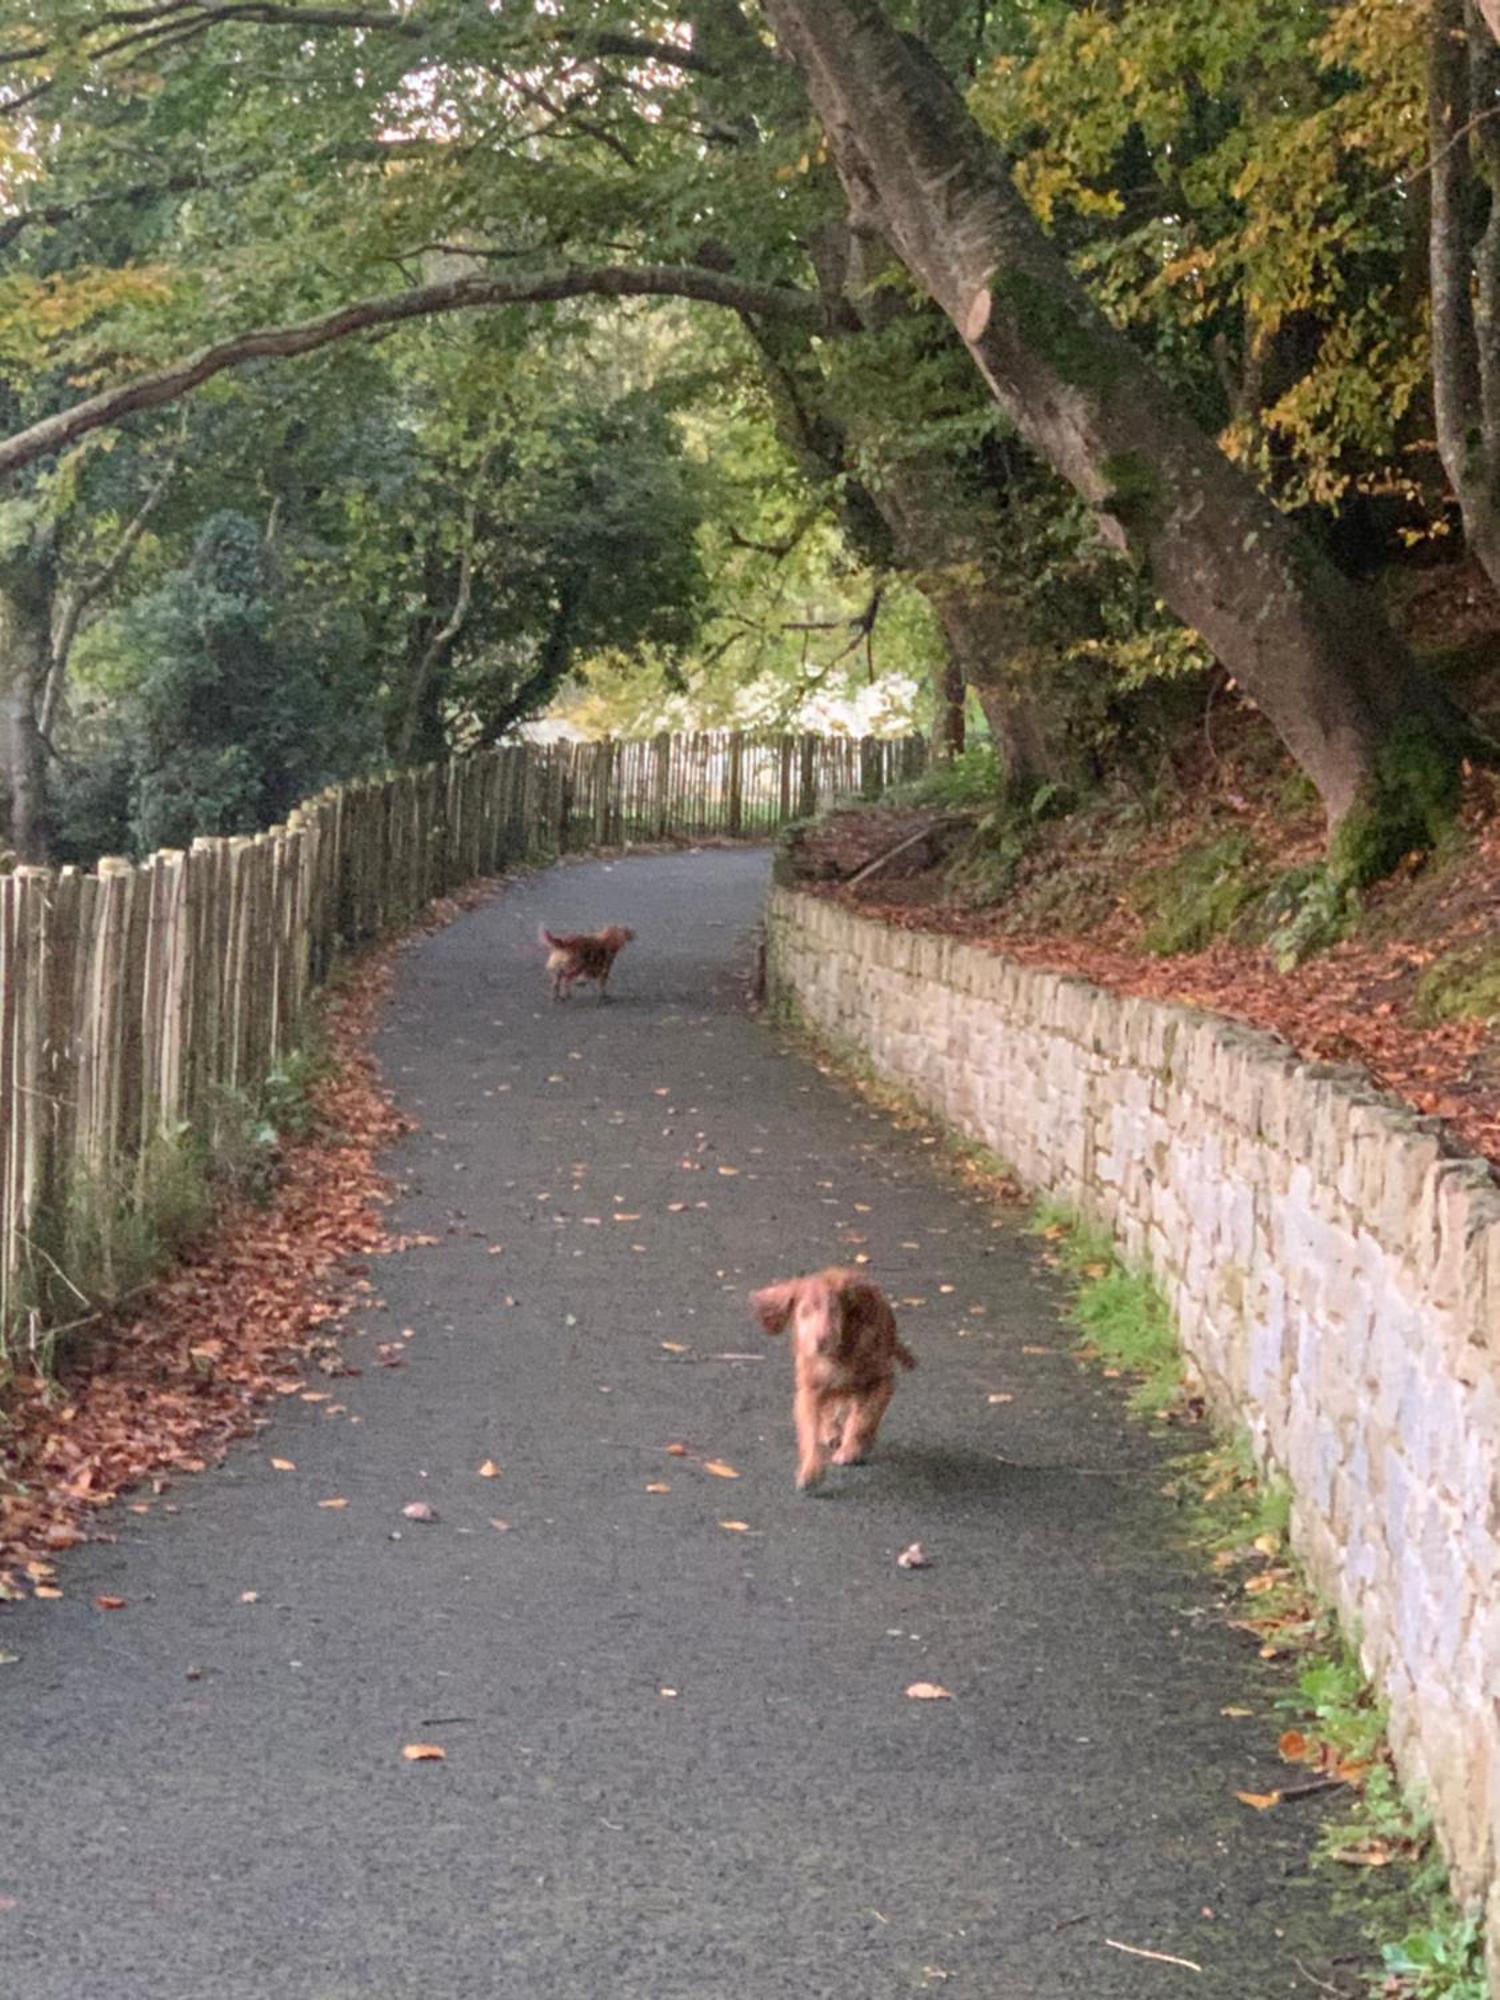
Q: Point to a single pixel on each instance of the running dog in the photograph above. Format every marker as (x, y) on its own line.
(576, 955)
(845, 1350)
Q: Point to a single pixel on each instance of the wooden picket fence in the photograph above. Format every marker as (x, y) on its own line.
(144, 1007)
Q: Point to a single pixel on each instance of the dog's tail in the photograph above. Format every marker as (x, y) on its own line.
(904, 1355)
(548, 939)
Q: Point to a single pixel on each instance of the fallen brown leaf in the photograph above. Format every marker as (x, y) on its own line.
(676, 1451)
(283, 1465)
(489, 1470)
(914, 1557)
(333, 1505)
(1259, 1801)
(719, 1469)
(927, 1691)
(106, 1603)
(420, 1510)
(424, 1753)
(658, 1486)
(735, 1527)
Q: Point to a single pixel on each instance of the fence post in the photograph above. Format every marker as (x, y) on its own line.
(736, 816)
(603, 768)
(807, 790)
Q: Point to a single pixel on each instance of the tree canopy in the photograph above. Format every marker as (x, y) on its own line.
(580, 346)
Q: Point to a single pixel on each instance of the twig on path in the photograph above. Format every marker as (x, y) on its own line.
(1312, 1785)
(1161, 1957)
(1323, 1985)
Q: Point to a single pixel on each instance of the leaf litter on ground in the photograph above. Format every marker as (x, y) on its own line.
(168, 1381)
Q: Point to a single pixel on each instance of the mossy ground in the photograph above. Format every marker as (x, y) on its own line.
(1463, 984)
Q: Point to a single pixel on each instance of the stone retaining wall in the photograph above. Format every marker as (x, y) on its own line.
(1333, 1266)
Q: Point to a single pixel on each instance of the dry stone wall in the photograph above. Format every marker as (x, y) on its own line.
(1333, 1266)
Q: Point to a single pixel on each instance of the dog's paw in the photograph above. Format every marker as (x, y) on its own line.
(851, 1458)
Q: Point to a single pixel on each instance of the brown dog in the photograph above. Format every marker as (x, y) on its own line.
(579, 955)
(845, 1348)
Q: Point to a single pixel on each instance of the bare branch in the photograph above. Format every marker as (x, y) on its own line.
(438, 644)
(90, 589)
(165, 385)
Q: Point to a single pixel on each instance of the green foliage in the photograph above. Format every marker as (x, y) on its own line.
(653, 515)
(1334, 1694)
(1229, 182)
(973, 778)
(1411, 805)
(1462, 985)
(1304, 911)
(1441, 1959)
(1121, 1314)
(1200, 895)
(108, 1235)
(236, 704)
(1234, 1499)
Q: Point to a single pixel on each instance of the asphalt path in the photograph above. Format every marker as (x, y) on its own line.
(681, 1759)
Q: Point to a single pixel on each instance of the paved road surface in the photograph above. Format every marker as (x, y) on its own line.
(784, 1821)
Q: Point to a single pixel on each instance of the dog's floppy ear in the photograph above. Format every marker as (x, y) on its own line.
(772, 1305)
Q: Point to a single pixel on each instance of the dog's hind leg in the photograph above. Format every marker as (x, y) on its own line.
(835, 1416)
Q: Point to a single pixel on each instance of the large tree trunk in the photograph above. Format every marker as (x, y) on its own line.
(1378, 739)
(918, 514)
(1464, 246)
(25, 648)
(949, 702)
(952, 540)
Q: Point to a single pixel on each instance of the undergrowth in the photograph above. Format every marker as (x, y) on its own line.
(1124, 1320)
(972, 778)
(117, 1227)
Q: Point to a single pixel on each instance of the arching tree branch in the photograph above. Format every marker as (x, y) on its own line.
(165, 385)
